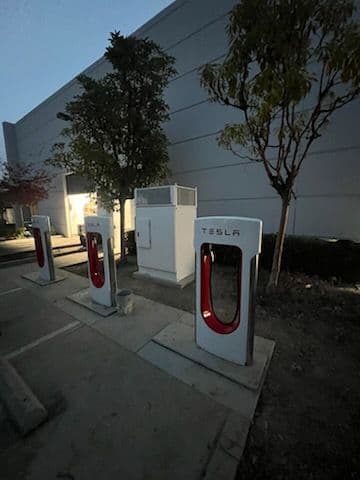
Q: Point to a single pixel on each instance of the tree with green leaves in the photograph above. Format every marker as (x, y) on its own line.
(283, 54)
(115, 137)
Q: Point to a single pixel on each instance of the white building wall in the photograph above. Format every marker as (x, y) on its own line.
(36, 133)
(193, 31)
(327, 189)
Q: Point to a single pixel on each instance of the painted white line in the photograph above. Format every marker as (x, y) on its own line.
(40, 340)
(10, 291)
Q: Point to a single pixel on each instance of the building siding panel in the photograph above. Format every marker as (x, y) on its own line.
(194, 32)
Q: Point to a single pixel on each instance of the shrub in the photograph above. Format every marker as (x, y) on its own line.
(312, 256)
(20, 232)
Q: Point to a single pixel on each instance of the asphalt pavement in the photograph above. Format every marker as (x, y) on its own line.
(120, 405)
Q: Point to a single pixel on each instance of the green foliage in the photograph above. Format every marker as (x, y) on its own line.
(283, 53)
(20, 232)
(115, 137)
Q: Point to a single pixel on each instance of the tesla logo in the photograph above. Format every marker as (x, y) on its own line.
(228, 232)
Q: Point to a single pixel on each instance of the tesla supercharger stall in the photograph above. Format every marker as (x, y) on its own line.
(102, 275)
(42, 237)
(232, 340)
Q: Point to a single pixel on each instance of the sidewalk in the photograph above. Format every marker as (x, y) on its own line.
(114, 414)
(66, 251)
(9, 247)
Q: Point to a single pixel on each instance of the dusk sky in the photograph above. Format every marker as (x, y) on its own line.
(45, 43)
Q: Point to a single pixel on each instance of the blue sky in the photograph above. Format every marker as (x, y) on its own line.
(45, 43)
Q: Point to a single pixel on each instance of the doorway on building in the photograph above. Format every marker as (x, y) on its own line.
(80, 204)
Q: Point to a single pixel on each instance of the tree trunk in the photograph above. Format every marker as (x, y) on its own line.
(122, 230)
(279, 245)
(2, 216)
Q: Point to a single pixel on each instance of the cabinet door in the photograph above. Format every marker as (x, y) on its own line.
(143, 233)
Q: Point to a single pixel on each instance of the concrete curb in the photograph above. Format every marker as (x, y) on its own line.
(35, 278)
(228, 451)
(23, 408)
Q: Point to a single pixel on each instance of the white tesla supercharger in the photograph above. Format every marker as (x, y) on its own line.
(102, 274)
(42, 237)
(233, 340)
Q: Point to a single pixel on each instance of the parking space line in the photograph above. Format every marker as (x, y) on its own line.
(45, 338)
(11, 291)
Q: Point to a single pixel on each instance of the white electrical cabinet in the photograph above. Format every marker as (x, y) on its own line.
(164, 233)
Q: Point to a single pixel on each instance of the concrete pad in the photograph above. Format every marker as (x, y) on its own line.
(24, 318)
(34, 277)
(23, 407)
(224, 391)
(83, 298)
(187, 318)
(229, 449)
(161, 281)
(180, 338)
(77, 311)
(133, 331)
(216, 380)
(124, 418)
(54, 292)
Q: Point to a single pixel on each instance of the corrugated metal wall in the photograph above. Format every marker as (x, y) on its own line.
(328, 193)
